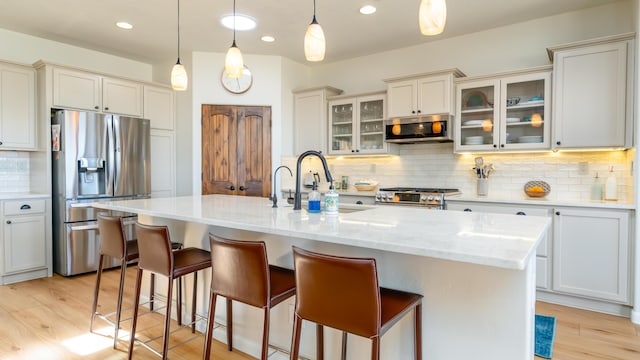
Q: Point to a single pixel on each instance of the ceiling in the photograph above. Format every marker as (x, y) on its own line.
(91, 24)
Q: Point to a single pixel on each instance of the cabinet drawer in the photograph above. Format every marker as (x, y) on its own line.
(542, 273)
(22, 207)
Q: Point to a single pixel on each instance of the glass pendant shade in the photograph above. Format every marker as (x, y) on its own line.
(314, 42)
(432, 17)
(233, 63)
(179, 79)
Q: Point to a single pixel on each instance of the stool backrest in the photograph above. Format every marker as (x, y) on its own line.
(112, 238)
(154, 248)
(240, 270)
(339, 292)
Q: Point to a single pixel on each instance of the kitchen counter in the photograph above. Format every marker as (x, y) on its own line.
(525, 200)
(12, 196)
(476, 271)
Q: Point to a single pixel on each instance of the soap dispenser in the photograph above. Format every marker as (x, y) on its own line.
(596, 188)
(611, 187)
(314, 199)
(331, 201)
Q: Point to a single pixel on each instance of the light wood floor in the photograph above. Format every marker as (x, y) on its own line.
(49, 319)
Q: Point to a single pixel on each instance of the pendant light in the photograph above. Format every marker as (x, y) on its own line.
(314, 43)
(179, 78)
(233, 63)
(432, 17)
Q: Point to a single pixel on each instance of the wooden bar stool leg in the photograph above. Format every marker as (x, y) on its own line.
(134, 320)
(210, 322)
(123, 269)
(96, 291)
(418, 331)
(375, 348)
(193, 302)
(229, 324)
(265, 333)
(320, 340)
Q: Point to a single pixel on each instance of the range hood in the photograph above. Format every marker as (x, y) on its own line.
(421, 129)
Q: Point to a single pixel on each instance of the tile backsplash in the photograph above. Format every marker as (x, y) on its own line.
(14, 171)
(570, 174)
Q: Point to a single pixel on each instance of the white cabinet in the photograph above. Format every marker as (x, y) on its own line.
(310, 118)
(543, 255)
(424, 94)
(24, 243)
(163, 163)
(508, 111)
(593, 93)
(159, 107)
(591, 253)
(356, 125)
(87, 91)
(17, 107)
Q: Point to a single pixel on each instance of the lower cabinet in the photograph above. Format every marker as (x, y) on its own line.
(24, 240)
(163, 164)
(543, 269)
(591, 253)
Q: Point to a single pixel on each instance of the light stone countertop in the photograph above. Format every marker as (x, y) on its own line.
(26, 195)
(525, 200)
(504, 241)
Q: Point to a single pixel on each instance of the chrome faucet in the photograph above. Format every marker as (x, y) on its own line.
(274, 197)
(298, 198)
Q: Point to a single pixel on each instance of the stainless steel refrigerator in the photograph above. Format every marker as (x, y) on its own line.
(95, 157)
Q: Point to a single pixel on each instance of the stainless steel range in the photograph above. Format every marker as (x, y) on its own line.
(432, 198)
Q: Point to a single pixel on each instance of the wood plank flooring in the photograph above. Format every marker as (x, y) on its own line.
(49, 319)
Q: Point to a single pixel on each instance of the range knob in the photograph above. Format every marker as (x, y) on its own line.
(423, 198)
(430, 198)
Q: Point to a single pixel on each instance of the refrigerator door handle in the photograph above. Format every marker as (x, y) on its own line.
(93, 226)
(111, 158)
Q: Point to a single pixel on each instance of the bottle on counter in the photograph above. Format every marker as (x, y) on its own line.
(596, 188)
(313, 204)
(331, 201)
(611, 187)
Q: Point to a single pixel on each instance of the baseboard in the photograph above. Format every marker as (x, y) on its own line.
(24, 276)
(585, 304)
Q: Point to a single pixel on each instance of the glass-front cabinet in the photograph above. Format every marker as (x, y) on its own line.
(356, 125)
(506, 112)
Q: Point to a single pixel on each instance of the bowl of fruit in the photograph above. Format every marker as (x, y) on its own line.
(537, 188)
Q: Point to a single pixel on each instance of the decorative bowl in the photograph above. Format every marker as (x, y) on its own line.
(365, 186)
(537, 188)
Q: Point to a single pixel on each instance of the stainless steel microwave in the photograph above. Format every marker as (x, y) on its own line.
(431, 128)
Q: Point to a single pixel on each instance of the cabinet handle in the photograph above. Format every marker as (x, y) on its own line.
(0, 142)
(106, 108)
(521, 213)
(413, 111)
(242, 188)
(357, 150)
(96, 107)
(419, 111)
(359, 202)
(501, 145)
(557, 212)
(232, 187)
(558, 143)
(353, 150)
(9, 222)
(495, 146)
(467, 210)
(25, 207)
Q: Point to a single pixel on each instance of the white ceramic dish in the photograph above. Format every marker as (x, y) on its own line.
(472, 122)
(473, 140)
(533, 102)
(530, 139)
(512, 120)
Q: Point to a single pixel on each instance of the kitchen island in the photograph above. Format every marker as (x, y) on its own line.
(476, 271)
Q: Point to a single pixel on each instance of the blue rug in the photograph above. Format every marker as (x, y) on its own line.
(545, 332)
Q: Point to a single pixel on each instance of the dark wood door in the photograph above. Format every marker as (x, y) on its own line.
(236, 150)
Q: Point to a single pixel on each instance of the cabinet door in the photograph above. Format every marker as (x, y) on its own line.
(403, 97)
(477, 116)
(591, 253)
(163, 167)
(77, 90)
(17, 108)
(159, 107)
(342, 126)
(590, 97)
(24, 243)
(370, 116)
(121, 97)
(434, 95)
(309, 121)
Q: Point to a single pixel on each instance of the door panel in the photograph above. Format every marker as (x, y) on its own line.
(253, 162)
(219, 135)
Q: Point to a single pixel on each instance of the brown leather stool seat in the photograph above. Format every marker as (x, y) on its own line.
(343, 293)
(241, 272)
(156, 256)
(113, 243)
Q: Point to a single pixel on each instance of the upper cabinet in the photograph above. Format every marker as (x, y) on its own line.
(310, 118)
(508, 111)
(17, 107)
(86, 91)
(356, 125)
(593, 93)
(423, 94)
(159, 107)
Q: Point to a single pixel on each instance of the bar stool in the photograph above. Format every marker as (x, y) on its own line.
(156, 256)
(343, 293)
(113, 243)
(241, 272)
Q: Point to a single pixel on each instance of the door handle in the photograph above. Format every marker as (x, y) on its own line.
(242, 188)
(25, 207)
(232, 188)
(521, 213)
(9, 222)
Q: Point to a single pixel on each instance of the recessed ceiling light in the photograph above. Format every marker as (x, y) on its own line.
(367, 10)
(243, 22)
(124, 25)
(268, 38)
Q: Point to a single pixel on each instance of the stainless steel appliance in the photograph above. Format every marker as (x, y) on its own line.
(95, 157)
(432, 198)
(427, 128)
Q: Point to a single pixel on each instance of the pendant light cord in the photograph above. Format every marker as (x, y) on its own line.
(234, 22)
(178, 31)
(314, 12)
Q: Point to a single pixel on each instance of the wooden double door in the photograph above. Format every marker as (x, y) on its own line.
(236, 150)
